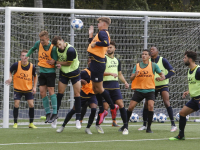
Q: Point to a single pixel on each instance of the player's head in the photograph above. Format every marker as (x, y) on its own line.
(44, 38)
(189, 57)
(154, 51)
(104, 22)
(23, 55)
(88, 62)
(59, 42)
(146, 54)
(111, 48)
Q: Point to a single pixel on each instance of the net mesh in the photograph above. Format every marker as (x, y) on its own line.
(171, 36)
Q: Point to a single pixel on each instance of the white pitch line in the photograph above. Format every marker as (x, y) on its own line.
(77, 142)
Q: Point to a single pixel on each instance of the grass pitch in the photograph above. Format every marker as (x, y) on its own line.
(46, 138)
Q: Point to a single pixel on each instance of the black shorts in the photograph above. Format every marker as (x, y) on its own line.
(114, 94)
(65, 79)
(194, 104)
(160, 89)
(90, 98)
(18, 95)
(97, 70)
(47, 79)
(139, 96)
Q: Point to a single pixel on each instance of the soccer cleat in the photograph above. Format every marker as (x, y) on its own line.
(31, 125)
(176, 138)
(78, 124)
(99, 129)
(54, 124)
(142, 128)
(102, 116)
(53, 118)
(59, 130)
(125, 131)
(47, 117)
(15, 125)
(114, 124)
(121, 129)
(87, 130)
(149, 131)
(173, 129)
(114, 111)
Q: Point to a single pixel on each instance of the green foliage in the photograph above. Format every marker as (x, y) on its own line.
(15, 3)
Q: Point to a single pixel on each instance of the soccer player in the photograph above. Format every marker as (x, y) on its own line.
(24, 75)
(46, 51)
(161, 86)
(144, 85)
(69, 70)
(194, 91)
(87, 95)
(97, 50)
(111, 85)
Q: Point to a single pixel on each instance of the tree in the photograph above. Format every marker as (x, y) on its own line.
(40, 19)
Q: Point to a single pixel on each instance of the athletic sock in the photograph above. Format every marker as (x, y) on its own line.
(101, 108)
(84, 110)
(124, 117)
(68, 117)
(31, 114)
(107, 98)
(182, 124)
(45, 102)
(150, 117)
(54, 103)
(15, 114)
(78, 107)
(91, 117)
(170, 113)
(129, 113)
(145, 116)
(59, 98)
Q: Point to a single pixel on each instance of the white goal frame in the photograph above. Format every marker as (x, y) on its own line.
(9, 10)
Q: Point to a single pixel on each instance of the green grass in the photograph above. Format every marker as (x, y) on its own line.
(46, 138)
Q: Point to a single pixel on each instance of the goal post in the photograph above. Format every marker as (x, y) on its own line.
(140, 28)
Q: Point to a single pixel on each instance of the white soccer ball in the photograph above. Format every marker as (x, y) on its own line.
(161, 117)
(178, 117)
(154, 117)
(134, 117)
(77, 24)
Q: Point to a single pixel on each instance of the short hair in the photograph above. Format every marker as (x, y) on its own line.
(105, 19)
(147, 50)
(24, 51)
(191, 54)
(44, 33)
(112, 43)
(55, 40)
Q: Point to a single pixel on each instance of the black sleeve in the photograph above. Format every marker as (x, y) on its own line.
(197, 75)
(167, 66)
(103, 37)
(90, 40)
(14, 67)
(34, 71)
(85, 76)
(119, 66)
(71, 54)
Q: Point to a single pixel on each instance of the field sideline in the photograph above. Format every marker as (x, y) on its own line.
(71, 138)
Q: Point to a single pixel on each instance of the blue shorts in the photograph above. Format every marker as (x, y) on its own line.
(28, 95)
(90, 98)
(97, 70)
(114, 94)
(160, 89)
(193, 104)
(65, 79)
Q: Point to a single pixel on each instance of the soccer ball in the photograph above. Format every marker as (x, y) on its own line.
(134, 117)
(154, 117)
(161, 117)
(77, 24)
(178, 117)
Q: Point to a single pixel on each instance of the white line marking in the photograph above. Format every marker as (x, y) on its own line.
(139, 140)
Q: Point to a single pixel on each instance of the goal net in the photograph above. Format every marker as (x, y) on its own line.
(172, 37)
